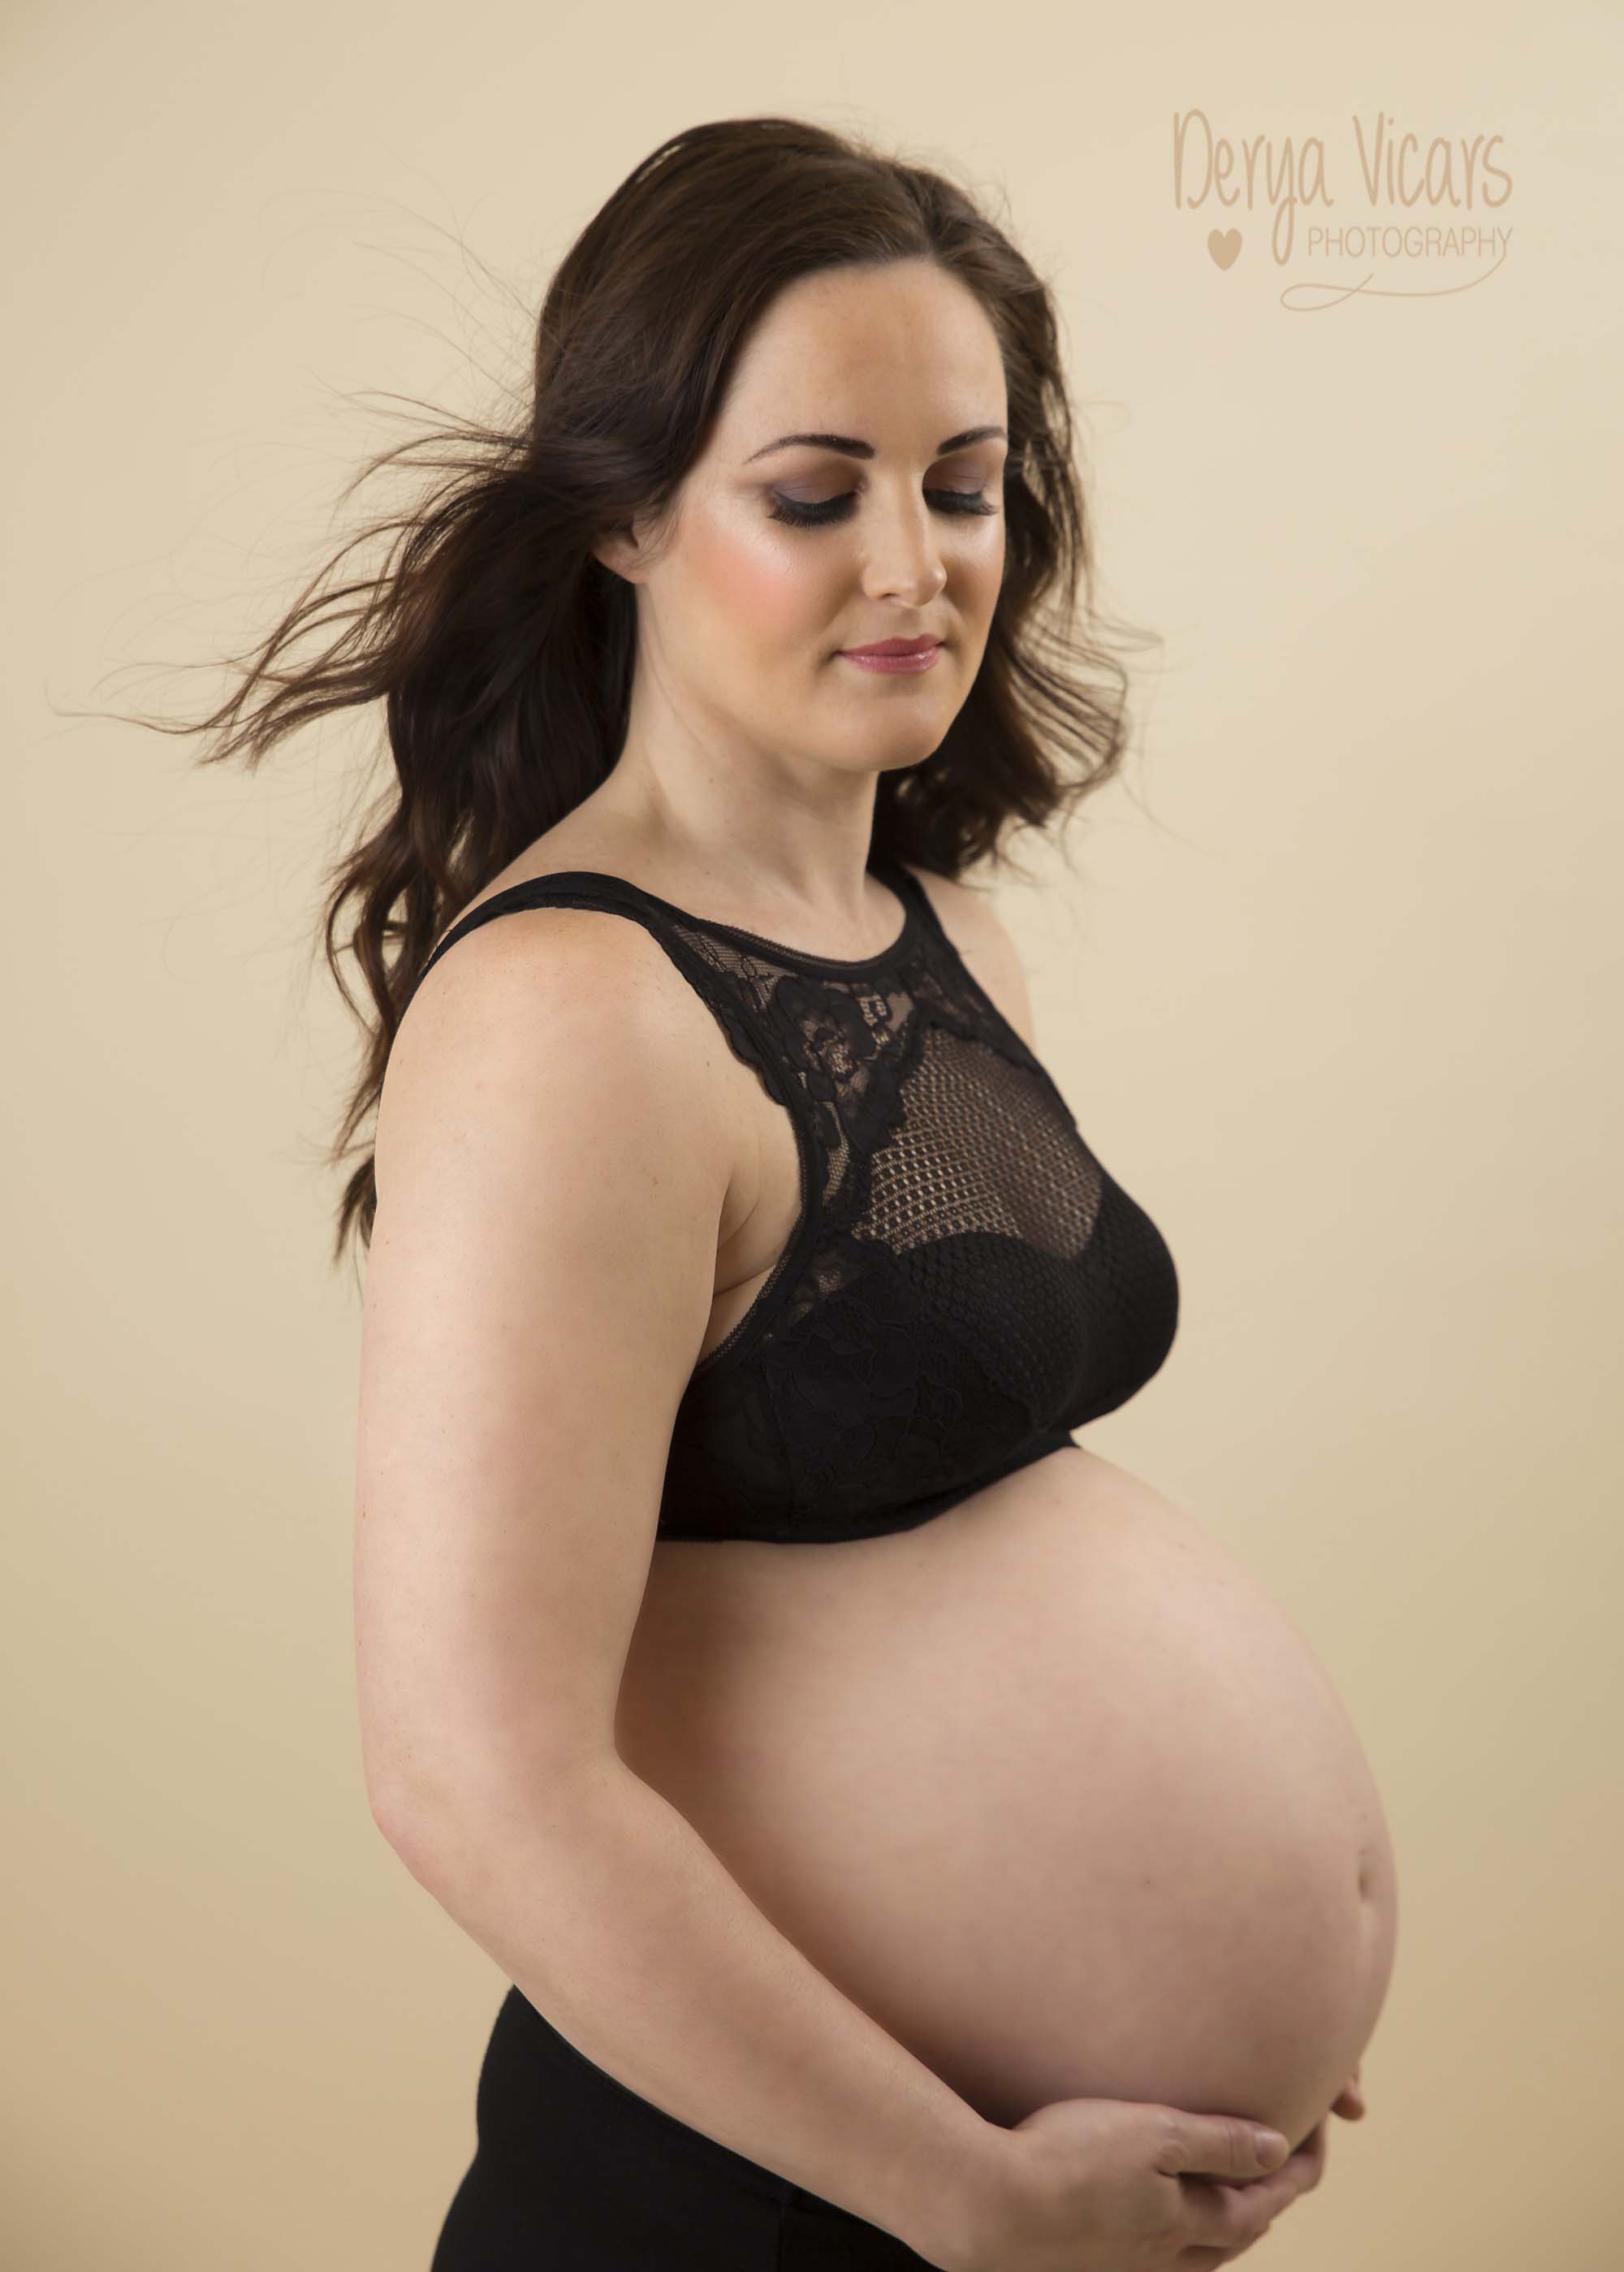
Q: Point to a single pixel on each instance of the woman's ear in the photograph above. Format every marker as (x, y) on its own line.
(628, 551)
(620, 553)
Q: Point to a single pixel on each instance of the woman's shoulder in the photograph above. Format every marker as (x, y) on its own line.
(519, 988)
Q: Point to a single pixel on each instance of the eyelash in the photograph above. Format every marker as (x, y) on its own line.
(833, 509)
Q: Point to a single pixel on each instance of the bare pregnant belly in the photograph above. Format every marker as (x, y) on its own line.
(1049, 1785)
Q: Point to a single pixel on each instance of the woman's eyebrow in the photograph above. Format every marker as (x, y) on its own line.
(850, 447)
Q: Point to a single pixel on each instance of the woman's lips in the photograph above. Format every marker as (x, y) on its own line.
(894, 655)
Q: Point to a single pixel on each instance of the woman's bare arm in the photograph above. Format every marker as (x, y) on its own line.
(553, 1159)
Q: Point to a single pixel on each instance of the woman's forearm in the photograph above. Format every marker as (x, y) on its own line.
(603, 1905)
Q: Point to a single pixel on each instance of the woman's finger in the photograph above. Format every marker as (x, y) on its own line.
(1304, 2169)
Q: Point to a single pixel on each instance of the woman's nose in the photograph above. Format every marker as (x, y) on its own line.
(904, 559)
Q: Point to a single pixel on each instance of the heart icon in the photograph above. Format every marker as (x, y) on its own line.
(1225, 247)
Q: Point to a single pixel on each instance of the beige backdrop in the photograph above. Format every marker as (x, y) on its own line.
(1332, 982)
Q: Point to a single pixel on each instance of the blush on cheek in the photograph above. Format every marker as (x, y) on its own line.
(770, 587)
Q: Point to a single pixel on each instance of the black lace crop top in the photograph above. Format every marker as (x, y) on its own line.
(965, 1284)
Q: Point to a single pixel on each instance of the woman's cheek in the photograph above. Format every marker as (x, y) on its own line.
(790, 609)
(767, 593)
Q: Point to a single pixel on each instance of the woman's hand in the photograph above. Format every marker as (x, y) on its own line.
(1302, 2170)
(1305, 2168)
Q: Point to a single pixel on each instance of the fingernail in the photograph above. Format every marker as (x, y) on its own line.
(1272, 2148)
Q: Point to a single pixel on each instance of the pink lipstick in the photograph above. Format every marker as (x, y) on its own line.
(896, 656)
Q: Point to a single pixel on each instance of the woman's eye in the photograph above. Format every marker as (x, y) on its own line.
(830, 508)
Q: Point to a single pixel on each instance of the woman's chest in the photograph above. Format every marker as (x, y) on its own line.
(902, 1318)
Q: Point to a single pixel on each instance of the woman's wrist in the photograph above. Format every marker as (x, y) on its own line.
(971, 2204)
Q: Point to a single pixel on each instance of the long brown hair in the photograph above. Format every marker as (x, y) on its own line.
(503, 651)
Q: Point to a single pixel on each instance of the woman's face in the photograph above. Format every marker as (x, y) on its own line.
(785, 553)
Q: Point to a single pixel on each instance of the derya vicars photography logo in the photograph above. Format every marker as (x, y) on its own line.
(1384, 212)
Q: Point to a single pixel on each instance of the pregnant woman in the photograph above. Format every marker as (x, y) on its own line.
(909, 1837)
